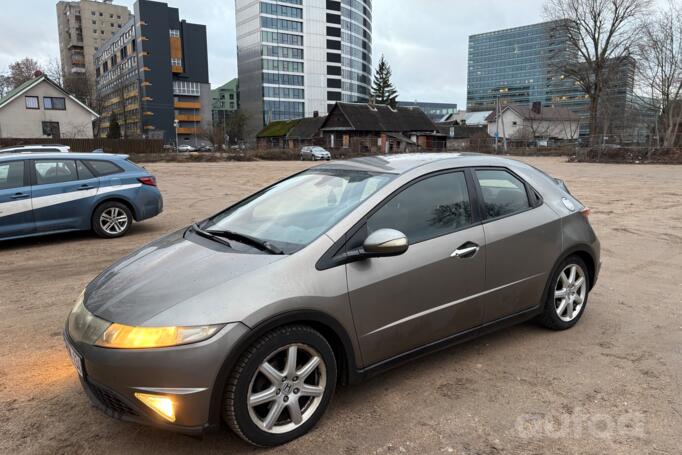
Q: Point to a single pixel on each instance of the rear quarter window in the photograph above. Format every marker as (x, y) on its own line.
(103, 168)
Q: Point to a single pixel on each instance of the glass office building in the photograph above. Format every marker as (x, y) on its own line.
(520, 66)
(297, 58)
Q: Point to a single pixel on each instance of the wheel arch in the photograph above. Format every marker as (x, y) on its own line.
(330, 328)
(584, 252)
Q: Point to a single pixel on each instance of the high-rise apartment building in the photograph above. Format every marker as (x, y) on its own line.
(83, 27)
(298, 57)
(152, 77)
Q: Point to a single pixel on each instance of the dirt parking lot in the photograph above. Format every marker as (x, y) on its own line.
(610, 385)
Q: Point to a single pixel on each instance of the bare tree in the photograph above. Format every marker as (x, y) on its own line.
(5, 85)
(22, 71)
(53, 70)
(601, 35)
(660, 71)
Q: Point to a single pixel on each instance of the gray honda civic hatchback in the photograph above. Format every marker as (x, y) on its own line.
(253, 316)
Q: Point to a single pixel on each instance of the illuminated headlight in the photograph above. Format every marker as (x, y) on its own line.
(121, 336)
(88, 328)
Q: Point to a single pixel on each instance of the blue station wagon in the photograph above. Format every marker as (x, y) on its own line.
(43, 193)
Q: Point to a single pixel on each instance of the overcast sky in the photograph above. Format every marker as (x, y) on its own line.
(424, 41)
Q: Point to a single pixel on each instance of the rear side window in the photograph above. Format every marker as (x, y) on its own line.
(55, 171)
(430, 208)
(11, 175)
(503, 194)
(83, 172)
(103, 168)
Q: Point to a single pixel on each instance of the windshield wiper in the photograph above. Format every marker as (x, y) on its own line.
(262, 245)
(208, 235)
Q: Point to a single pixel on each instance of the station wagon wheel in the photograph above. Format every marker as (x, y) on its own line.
(281, 386)
(111, 219)
(567, 294)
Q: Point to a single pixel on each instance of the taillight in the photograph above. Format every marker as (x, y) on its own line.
(586, 212)
(151, 181)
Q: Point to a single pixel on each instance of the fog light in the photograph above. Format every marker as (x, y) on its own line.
(163, 406)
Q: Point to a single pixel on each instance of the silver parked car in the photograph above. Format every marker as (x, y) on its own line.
(315, 153)
(253, 316)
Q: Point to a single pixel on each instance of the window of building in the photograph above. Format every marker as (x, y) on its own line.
(187, 88)
(430, 208)
(52, 103)
(51, 129)
(101, 15)
(503, 194)
(55, 171)
(93, 13)
(32, 102)
(94, 22)
(11, 175)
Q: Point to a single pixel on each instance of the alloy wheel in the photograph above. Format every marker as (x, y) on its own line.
(287, 388)
(113, 221)
(570, 292)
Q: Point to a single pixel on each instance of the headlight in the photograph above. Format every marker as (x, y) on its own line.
(121, 336)
(83, 325)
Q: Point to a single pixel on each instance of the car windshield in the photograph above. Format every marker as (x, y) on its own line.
(294, 212)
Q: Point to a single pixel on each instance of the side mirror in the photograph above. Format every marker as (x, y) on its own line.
(385, 242)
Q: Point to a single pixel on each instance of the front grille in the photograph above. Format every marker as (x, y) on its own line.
(110, 401)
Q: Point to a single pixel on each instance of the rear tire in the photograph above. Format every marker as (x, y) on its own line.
(567, 295)
(112, 220)
(269, 399)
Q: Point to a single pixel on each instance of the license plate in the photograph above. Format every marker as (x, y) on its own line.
(76, 358)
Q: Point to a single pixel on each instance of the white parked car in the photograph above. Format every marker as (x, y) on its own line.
(315, 153)
(41, 148)
(186, 148)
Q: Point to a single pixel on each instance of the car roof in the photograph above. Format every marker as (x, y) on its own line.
(402, 163)
(59, 155)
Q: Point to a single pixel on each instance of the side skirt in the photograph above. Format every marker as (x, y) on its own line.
(461, 337)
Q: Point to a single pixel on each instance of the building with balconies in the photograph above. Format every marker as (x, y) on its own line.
(84, 26)
(152, 77)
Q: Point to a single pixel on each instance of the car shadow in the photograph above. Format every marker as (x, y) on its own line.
(137, 230)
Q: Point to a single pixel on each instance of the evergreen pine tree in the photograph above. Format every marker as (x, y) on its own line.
(383, 91)
(114, 127)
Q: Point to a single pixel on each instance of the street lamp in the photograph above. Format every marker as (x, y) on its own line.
(176, 124)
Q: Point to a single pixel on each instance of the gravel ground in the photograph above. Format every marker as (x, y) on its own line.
(610, 385)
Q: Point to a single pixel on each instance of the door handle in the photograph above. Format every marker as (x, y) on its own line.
(467, 250)
(84, 187)
(19, 196)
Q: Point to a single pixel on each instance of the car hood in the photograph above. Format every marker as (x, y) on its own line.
(163, 274)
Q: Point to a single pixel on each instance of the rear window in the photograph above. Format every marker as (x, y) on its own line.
(503, 194)
(103, 168)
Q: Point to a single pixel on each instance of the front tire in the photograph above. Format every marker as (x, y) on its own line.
(112, 220)
(281, 386)
(567, 295)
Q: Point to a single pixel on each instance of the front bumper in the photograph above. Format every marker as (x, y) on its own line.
(188, 374)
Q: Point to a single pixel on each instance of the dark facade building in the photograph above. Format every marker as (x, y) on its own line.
(152, 77)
